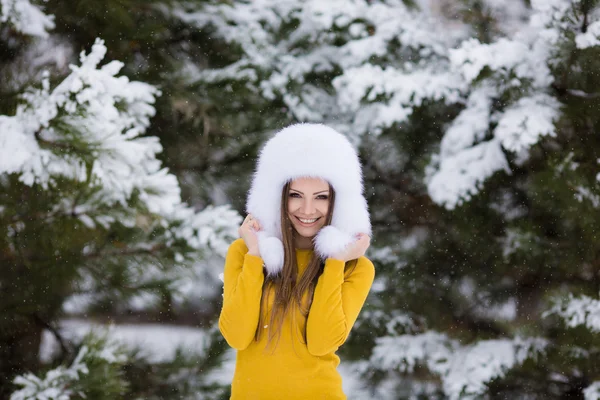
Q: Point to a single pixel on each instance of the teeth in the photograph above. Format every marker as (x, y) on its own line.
(307, 221)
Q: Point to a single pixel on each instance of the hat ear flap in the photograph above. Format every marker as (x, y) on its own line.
(271, 251)
(331, 241)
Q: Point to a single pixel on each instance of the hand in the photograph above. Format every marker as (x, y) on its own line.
(356, 249)
(247, 232)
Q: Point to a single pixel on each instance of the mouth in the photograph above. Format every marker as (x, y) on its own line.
(307, 222)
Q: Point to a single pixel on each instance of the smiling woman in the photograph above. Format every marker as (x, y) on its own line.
(307, 205)
(296, 280)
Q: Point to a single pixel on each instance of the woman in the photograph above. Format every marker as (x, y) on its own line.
(297, 278)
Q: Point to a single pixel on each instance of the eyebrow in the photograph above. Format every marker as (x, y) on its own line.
(322, 191)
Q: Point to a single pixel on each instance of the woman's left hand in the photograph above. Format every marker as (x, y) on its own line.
(356, 249)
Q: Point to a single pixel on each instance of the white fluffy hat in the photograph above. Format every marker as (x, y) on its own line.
(308, 150)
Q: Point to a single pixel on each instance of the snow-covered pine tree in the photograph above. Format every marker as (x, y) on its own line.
(476, 122)
(91, 220)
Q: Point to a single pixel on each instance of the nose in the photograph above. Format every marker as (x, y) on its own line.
(308, 207)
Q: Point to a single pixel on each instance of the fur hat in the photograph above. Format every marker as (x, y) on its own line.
(308, 150)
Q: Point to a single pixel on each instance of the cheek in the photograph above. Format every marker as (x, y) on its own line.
(324, 208)
(293, 204)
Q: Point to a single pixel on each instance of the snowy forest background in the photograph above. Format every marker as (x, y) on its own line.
(129, 130)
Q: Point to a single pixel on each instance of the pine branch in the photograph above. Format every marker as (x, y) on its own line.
(479, 326)
(582, 94)
(128, 252)
(55, 145)
(66, 352)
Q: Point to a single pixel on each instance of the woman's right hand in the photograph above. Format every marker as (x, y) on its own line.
(247, 232)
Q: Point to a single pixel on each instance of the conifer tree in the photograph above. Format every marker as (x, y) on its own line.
(476, 127)
(476, 123)
(91, 219)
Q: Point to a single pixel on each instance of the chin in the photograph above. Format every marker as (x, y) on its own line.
(307, 232)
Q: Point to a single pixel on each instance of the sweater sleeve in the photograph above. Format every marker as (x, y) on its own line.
(243, 280)
(337, 301)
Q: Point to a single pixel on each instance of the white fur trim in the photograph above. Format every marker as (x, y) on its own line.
(330, 241)
(307, 150)
(271, 251)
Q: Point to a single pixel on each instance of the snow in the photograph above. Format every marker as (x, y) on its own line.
(470, 152)
(592, 392)
(56, 385)
(462, 175)
(402, 89)
(122, 158)
(576, 311)
(524, 123)
(370, 96)
(376, 89)
(464, 370)
(584, 193)
(107, 115)
(26, 17)
(158, 343)
(471, 125)
(311, 48)
(509, 14)
(508, 106)
(590, 38)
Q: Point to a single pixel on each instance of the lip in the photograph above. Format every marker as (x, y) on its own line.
(307, 225)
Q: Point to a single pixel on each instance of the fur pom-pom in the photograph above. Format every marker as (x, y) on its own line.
(331, 241)
(271, 251)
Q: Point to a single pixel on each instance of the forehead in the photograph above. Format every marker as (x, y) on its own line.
(315, 184)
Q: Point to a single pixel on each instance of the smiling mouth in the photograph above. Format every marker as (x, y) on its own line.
(307, 222)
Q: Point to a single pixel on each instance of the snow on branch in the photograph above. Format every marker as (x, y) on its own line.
(474, 144)
(213, 227)
(465, 161)
(326, 37)
(63, 382)
(405, 352)
(465, 370)
(401, 91)
(88, 129)
(592, 392)
(56, 384)
(525, 122)
(25, 17)
(576, 311)
(506, 57)
(460, 176)
(471, 125)
(590, 38)
(550, 12)
(91, 116)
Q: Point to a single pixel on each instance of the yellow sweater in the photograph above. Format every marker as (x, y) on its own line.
(294, 369)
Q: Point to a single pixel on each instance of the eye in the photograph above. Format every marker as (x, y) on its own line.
(322, 197)
(295, 195)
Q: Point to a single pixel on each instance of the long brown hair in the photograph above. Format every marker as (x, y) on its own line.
(288, 291)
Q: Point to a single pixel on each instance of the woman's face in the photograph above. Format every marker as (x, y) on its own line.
(308, 203)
